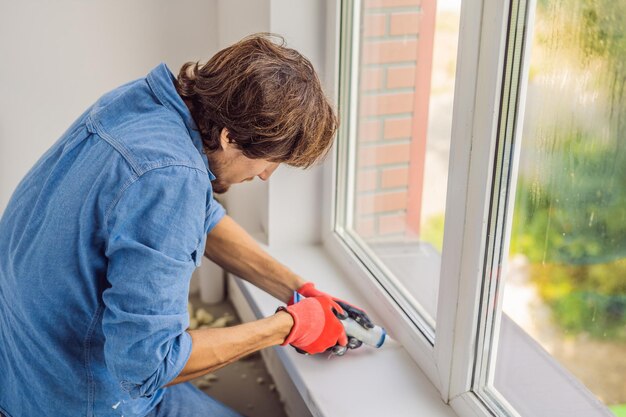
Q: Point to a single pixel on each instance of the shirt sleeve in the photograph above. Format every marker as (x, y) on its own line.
(155, 230)
(215, 213)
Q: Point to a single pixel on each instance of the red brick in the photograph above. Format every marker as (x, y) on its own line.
(398, 77)
(395, 223)
(378, 105)
(384, 154)
(367, 180)
(404, 24)
(391, 3)
(378, 203)
(375, 25)
(398, 128)
(369, 130)
(394, 177)
(371, 79)
(366, 227)
(386, 52)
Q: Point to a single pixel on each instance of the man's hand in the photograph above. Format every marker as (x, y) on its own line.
(316, 327)
(342, 307)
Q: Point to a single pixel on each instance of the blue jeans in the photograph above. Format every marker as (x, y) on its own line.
(185, 400)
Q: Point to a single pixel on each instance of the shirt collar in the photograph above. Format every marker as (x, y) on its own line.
(161, 81)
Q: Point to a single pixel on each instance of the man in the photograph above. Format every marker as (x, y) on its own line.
(99, 240)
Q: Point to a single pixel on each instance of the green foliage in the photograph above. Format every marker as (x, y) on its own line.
(599, 315)
(601, 29)
(618, 410)
(432, 231)
(573, 208)
(609, 278)
(570, 221)
(570, 211)
(578, 303)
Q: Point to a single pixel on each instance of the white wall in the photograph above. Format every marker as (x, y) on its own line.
(298, 220)
(58, 57)
(247, 203)
(268, 210)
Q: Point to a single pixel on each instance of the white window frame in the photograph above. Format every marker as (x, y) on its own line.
(450, 362)
(268, 211)
(473, 132)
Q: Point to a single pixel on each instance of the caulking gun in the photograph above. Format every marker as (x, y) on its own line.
(357, 334)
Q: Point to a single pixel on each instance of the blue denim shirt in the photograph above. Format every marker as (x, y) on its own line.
(97, 247)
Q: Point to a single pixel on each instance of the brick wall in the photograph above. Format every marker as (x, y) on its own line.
(395, 72)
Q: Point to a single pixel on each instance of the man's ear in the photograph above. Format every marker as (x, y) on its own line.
(224, 141)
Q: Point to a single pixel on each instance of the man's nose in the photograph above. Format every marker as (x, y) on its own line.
(265, 175)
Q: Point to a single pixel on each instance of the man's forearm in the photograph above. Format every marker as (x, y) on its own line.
(231, 247)
(215, 348)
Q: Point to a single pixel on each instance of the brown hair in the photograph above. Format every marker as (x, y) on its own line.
(269, 98)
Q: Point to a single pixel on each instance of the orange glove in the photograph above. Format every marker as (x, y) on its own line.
(316, 326)
(344, 308)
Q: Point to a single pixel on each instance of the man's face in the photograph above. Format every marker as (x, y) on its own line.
(230, 166)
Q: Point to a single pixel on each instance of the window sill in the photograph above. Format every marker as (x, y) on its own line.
(365, 382)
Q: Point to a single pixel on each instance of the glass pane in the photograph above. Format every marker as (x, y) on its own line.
(406, 68)
(566, 284)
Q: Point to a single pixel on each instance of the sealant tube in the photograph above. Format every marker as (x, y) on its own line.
(373, 337)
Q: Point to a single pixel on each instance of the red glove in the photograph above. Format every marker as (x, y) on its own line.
(316, 328)
(344, 308)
